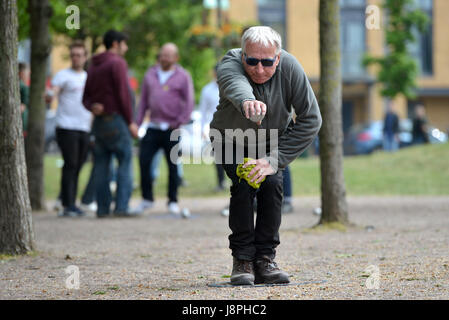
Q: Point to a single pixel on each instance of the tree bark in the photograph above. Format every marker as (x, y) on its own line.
(40, 13)
(16, 232)
(333, 191)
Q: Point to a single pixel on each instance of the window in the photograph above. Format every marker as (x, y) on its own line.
(422, 48)
(352, 36)
(272, 13)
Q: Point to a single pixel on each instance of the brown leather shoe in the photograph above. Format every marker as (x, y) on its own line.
(242, 272)
(267, 271)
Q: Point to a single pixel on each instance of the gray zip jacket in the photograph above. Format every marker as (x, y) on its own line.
(287, 88)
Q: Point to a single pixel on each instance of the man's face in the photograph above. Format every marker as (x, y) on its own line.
(122, 48)
(260, 74)
(168, 57)
(78, 57)
(24, 75)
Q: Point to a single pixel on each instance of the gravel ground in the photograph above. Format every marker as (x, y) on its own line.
(162, 257)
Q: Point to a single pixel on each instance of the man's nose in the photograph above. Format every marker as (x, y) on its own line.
(259, 67)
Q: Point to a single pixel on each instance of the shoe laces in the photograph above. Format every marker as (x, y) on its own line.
(269, 264)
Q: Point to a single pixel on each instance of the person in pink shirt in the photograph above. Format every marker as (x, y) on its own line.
(167, 94)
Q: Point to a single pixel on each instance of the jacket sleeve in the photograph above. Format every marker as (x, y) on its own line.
(233, 83)
(189, 102)
(87, 98)
(120, 79)
(143, 103)
(301, 134)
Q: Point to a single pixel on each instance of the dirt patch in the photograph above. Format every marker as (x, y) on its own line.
(405, 240)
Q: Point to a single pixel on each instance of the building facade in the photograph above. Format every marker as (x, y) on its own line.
(297, 21)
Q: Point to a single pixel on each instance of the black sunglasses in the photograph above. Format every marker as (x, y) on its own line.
(254, 62)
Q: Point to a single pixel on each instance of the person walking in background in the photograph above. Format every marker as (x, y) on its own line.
(167, 94)
(419, 130)
(24, 95)
(88, 199)
(391, 130)
(209, 100)
(107, 96)
(73, 123)
(287, 206)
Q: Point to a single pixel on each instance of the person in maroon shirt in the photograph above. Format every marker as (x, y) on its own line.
(107, 96)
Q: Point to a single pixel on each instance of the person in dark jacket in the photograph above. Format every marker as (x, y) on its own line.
(260, 85)
(107, 96)
(419, 130)
(24, 95)
(391, 130)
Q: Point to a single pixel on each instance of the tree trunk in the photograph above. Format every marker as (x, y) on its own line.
(16, 232)
(40, 13)
(333, 192)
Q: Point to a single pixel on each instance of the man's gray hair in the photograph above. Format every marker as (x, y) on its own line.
(263, 35)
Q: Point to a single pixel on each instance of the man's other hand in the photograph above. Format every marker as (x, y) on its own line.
(97, 109)
(134, 130)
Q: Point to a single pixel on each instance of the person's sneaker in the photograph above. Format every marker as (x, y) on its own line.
(173, 208)
(242, 272)
(58, 206)
(71, 212)
(91, 207)
(79, 212)
(287, 207)
(142, 206)
(267, 271)
(225, 212)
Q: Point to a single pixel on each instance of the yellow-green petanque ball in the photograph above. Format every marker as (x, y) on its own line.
(243, 173)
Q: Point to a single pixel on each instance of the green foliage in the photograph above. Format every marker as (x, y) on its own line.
(398, 70)
(24, 19)
(157, 22)
(148, 23)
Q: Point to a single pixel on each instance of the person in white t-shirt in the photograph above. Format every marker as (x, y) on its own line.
(209, 100)
(73, 123)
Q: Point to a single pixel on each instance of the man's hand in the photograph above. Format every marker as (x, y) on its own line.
(134, 130)
(97, 109)
(260, 171)
(254, 107)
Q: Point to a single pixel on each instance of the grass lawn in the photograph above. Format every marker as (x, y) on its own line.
(422, 170)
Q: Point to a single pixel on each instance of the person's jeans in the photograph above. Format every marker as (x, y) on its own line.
(249, 241)
(89, 194)
(112, 137)
(154, 140)
(390, 143)
(74, 145)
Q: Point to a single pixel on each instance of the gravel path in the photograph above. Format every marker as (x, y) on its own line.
(162, 257)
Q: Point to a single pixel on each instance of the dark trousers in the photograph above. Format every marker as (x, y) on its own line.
(74, 146)
(150, 144)
(287, 182)
(250, 240)
(220, 174)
